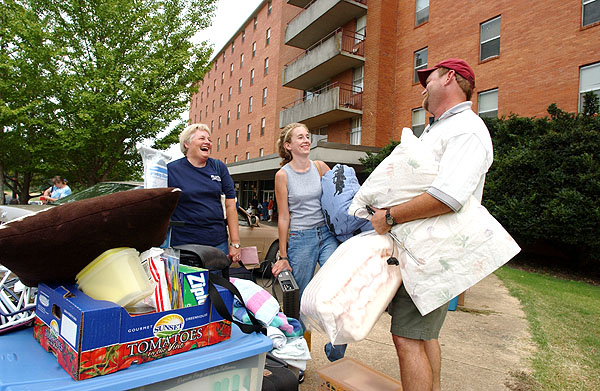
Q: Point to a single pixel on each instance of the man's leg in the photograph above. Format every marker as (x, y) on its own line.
(434, 354)
(415, 369)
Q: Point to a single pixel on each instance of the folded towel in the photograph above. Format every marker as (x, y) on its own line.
(277, 337)
(258, 301)
(295, 349)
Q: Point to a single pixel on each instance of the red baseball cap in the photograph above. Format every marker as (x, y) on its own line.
(456, 64)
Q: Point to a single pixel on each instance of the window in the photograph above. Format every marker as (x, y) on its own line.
(361, 29)
(269, 8)
(268, 38)
(243, 35)
(213, 106)
(202, 96)
(250, 104)
(267, 66)
(422, 13)
(252, 76)
(221, 100)
(357, 78)
(591, 12)
(318, 135)
(247, 155)
(218, 144)
(264, 96)
(223, 56)
(355, 131)
(262, 126)
(229, 97)
(232, 47)
(207, 90)
(255, 22)
(235, 158)
(212, 125)
(420, 63)
(222, 77)
(488, 103)
(200, 116)
(253, 49)
(490, 39)
(219, 122)
(228, 116)
(237, 136)
(206, 114)
(418, 121)
(589, 80)
(239, 110)
(240, 86)
(261, 152)
(241, 60)
(249, 131)
(225, 160)
(216, 65)
(215, 85)
(231, 69)
(227, 141)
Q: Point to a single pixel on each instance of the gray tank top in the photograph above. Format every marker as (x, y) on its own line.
(304, 197)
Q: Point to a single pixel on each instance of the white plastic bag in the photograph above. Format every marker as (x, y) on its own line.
(155, 167)
(350, 292)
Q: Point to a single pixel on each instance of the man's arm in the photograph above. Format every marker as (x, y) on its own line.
(420, 207)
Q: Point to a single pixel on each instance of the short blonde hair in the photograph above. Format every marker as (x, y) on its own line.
(187, 135)
(285, 137)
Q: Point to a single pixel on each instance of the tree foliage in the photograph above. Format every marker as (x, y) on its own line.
(112, 73)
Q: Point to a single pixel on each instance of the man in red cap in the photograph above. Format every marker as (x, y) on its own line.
(462, 146)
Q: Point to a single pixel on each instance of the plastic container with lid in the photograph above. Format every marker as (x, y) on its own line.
(116, 275)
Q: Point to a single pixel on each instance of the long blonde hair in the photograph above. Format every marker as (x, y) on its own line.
(285, 137)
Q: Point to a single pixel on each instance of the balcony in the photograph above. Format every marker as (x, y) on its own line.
(335, 53)
(298, 3)
(319, 17)
(336, 102)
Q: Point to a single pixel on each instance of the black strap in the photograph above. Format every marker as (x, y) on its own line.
(217, 301)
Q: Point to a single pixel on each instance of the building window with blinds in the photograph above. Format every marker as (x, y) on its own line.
(422, 12)
(488, 103)
(355, 131)
(420, 63)
(489, 39)
(589, 81)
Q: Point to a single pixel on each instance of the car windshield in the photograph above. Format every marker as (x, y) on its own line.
(97, 190)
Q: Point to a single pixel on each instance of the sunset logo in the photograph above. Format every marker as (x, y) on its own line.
(168, 325)
(54, 327)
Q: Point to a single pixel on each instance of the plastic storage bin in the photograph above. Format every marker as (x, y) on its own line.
(348, 374)
(452, 304)
(241, 375)
(20, 354)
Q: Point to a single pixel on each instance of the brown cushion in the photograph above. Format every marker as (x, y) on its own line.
(55, 244)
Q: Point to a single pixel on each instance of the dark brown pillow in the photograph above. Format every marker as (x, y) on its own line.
(56, 244)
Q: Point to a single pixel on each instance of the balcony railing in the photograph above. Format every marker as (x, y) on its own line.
(350, 96)
(313, 1)
(352, 42)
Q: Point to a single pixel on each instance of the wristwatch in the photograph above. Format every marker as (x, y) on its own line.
(235, 245)
(389, 219)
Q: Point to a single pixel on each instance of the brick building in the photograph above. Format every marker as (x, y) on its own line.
(346, 68)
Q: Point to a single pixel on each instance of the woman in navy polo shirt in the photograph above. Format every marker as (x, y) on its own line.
(202, 180)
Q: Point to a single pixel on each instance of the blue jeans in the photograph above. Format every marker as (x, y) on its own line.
(306, 248)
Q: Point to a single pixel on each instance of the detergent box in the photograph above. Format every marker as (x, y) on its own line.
(94, 337)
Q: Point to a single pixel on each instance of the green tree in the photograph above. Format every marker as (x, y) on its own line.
(121, 72)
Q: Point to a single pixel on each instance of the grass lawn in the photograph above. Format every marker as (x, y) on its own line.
(564, 318)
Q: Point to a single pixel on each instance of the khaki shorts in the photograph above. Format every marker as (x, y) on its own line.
(408, 322)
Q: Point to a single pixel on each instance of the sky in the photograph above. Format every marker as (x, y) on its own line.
(229, 16)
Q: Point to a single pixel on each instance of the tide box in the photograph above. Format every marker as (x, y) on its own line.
(94, 337)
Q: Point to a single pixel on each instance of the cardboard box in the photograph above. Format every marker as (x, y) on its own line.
(93, 337)
(348, 374)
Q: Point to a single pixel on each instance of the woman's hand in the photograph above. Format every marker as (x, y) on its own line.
(280, 266)
(235, 253)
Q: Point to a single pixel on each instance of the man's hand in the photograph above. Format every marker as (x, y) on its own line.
(378, 221)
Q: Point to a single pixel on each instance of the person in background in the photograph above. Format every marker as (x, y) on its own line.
(59, 189)
(463, 147)
(265, 210)
(298, 192)
(270, 207)
(202, 180)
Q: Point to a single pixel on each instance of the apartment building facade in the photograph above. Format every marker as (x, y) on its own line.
(347, 69)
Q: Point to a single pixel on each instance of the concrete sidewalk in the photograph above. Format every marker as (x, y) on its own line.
(483, 343)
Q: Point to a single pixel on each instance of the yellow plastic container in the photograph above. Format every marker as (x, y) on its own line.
(116, 275)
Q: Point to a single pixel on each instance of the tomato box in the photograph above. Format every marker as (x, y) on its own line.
(94, 337)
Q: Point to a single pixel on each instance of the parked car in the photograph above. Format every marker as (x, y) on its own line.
(252, 233)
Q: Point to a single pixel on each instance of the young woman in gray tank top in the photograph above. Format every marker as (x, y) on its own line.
(304, 239)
